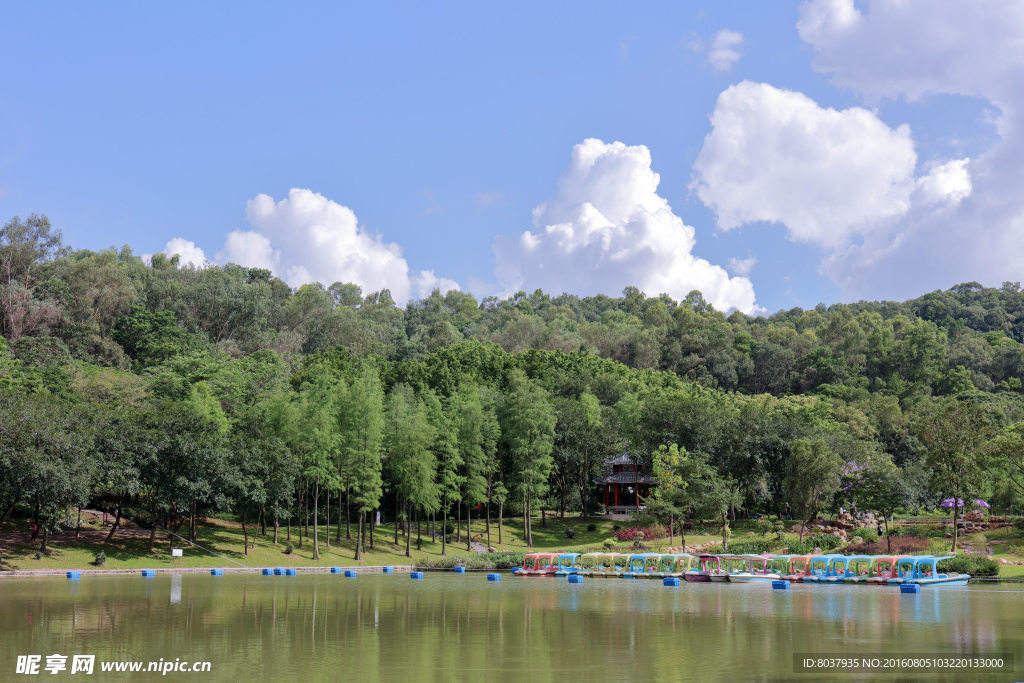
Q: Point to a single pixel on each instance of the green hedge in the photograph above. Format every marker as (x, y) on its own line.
(485, 561)
(970, 564)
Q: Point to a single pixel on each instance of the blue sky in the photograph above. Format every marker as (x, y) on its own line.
(807, 152)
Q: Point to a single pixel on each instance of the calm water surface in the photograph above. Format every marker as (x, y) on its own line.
(450, 627)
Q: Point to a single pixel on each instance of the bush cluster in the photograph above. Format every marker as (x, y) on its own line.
(649, 533)
(824, 541)
(868, 535)
(901, 545)
(509, 560)
(970, 564)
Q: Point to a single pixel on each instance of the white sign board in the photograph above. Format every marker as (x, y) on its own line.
(176, 552)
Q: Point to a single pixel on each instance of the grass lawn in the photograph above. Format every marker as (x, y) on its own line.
(128, 548)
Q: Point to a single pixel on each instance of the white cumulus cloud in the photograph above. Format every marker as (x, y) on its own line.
(833, 178)
(742, 266)
(185, 250)
(725, 50)
(607, 228)
(307, 237)
(967, 216)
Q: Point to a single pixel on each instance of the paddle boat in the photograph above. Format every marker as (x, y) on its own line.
(924, 571)
(886, 567)
(705, 565)
(729, 565)
(798, 567)
(568, 563)
(538, 564)
(826, 569)
(637, 565)
(760, 570)
(669, 564)
(859, 568)
(597, 564)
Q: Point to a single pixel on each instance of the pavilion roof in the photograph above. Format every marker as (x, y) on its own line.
(626, 478)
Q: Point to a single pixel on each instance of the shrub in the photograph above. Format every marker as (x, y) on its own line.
(609, 543)
(570, 533)
(289, 549)
(901, 545)
(591, 527)
(645, 533)
(970, 564)
(754, 547)
(1019, 523)
(449, 529)
(868, 535)
(616, 527)
(825, 541)
(509, 560)
(101, 558)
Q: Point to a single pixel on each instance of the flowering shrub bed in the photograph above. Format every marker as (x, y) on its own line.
(649, 533)
(901, 545)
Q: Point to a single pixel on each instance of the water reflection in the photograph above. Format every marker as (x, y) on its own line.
(322, 627)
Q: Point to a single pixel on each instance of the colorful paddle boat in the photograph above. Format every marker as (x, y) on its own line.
(672, 564)
(923, 570)
(799, 566)
(538, 564)
(597, 564)
(826, 569)
(637, 565)
(886, 567)
(859, 568)
(705, 565)
(568, 563)
(930, 575)
(760, 570)
(729, 565)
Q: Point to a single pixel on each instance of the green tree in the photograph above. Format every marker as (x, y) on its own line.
(408, 437)
(955, 434)
(362, 427)
(448, 458)
(527, 427)
(813, 477)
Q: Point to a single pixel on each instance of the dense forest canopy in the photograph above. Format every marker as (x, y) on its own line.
(172, 392)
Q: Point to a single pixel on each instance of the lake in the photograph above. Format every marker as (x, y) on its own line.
(323, 627)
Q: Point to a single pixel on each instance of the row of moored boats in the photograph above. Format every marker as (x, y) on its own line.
(809, 569)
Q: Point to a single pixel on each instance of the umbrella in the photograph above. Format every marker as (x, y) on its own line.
(949, 502)
(981, 503)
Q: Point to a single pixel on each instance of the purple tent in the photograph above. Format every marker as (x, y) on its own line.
(949, 502)
(981, 503)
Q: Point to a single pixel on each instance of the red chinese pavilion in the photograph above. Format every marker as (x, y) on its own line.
(626, 486)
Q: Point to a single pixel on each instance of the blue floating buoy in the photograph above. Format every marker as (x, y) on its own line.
(290, 572)
(671, 581)
(575, 578)
(217, 572)
(494, 577)
(416, 575)
(278, 571)
(350, 573)
(389, 570)
(910, 588)
(336, 570)
(74, 575)
(781, 585)
(148, 572)
(267, 571)
(459, 570)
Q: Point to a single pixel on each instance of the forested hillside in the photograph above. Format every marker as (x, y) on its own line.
(170, 392)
